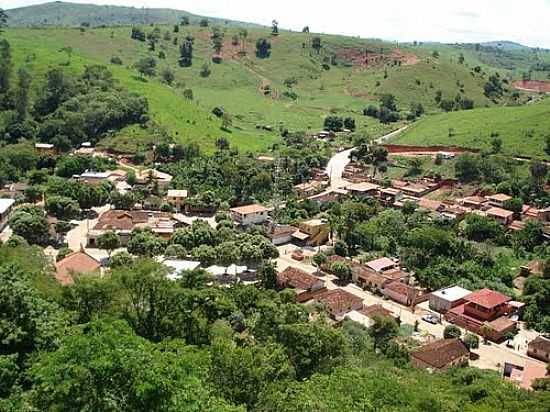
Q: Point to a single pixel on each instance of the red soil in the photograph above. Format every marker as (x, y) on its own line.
(364, 60)
(533, 85)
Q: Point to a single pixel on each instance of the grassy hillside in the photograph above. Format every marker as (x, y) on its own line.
(522, 129)
(59, 13)
(305, 85)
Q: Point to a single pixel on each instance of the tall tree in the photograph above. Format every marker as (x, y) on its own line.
(108, 241)
(3, 20)
(22, 94)
(6, 66)
(186, 53)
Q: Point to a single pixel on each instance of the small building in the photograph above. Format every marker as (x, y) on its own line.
(177, 266)
(176, 198)
(377, 311)
(401, 293)
(45, 148)
(363, 189)
(539, 348)
(6, 206)
(445, 299)
(304, 283)
(75, 263)
(390, 195)
(440, 355)
(329, 196)
(254, 214)
(338, 302)
(542, 215)
(149, 175)
(281, 234)
(524, 375)
(498, 200)
(314, 232)
(382, 264)
(473, 202)
(503, 216)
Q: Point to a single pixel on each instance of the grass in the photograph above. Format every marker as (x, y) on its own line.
(236, 83)
(522, 129)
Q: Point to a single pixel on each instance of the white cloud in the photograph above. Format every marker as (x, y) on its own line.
(403, 20)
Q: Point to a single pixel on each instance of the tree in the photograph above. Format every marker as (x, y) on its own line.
(6, 67)
(389, 102)
(146, 66)
(467, 168)
(243, 34)
(3, 20)
(316, 44)
(305, 29)
(496, 144)
(227, 121)
(471, 341)
(263, 48)
(349, 123)
(176, 28)
(383, 331)
(530, 236)
(319, 260)
(203, 22)
(547, 144)
(108, 241)
(186, 54)
(205, 70)
(62, 207)
(485, 331)
(167, 75)
(342, 270)
(184, 21)
(274, 27)
(69, 52)
(268, 275)
(22, 94)
(451, 332)
(333, 123)
(145, 243)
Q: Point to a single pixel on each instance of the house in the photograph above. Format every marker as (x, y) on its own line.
(6, 206)
(377, 311)
(473, 202)
(505, 217)
(149, 175)
(441, 355)
(382, 264)
(281, 234)
(91, 177)
(332, 195)
(484, 311)
(177, 266)
(314, 232)
(231, 273)
(254, 214)
(310, 188)
(445, 299)
(45, 149)
(176, 198)
(376, 274)
(303, 282)
(363, 189)
(14, 190)
(122, 222)
(75, 263)
(338, 302)
(417, 189)
(524, 375)
(539, 348)
(401, 293)
(431, 205)
(390, 195)
(498, 200)
(542, 215)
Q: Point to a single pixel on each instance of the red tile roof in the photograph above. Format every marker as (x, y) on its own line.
(487, 298)
(338, 300)
(376, 310)
(380, 264)
(77, 262)
(297, 278)
(441, 353)
(540, 343)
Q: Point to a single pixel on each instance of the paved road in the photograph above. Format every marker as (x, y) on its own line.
(340, 160)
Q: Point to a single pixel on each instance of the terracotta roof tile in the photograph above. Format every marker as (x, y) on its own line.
(487, 298)
(441, 352)
(297, 278)
(77, 262)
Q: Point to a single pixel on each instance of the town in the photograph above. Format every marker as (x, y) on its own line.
(206, 214)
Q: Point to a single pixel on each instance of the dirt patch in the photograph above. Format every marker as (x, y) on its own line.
(366, 58)
(533, 85)
(410, 150)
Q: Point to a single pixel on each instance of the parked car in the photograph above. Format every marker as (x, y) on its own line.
(431, 318)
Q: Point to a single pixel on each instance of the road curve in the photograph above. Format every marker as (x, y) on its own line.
(340, 160)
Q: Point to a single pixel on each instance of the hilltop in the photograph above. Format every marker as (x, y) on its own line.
(64, 14)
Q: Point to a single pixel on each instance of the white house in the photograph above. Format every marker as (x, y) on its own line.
(177, 266)
(445, 299)
(253, 214)
(6, 205)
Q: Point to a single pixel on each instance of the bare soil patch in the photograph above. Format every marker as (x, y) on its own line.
(533, 85)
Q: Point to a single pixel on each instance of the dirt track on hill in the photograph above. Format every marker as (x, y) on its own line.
(540, 86)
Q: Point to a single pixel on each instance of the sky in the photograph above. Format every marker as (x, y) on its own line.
(465, 21)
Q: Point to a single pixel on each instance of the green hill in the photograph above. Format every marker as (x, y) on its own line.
(63, 14)
(295, 88)
(522, 129)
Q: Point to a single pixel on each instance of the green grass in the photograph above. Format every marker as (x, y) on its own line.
(522, 129)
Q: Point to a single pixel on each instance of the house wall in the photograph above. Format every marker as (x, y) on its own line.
(403, 299)
(443, 305)
(478, 312)
(250, 219)
(4, 219)
(417, 363)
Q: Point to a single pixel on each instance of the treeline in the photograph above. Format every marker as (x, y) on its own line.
(66, 110)
(134, 340)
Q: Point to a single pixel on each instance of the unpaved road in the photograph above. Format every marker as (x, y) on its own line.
(340, 160)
